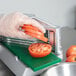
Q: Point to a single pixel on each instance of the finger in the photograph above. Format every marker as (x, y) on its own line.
(34, 23)
(14, 33)
(22, 35)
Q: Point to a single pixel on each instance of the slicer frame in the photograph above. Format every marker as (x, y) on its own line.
(16, 66)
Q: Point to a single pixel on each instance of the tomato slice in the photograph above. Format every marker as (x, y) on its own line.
(39, 49)
(40, 37)
(29, 26)
(34, 32)
(33, 29)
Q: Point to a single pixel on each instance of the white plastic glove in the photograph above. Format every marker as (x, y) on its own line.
(9, 25)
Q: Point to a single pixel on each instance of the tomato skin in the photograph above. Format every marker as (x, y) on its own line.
(71, 51)
(71, 58)
(38, 50)
(34, 32)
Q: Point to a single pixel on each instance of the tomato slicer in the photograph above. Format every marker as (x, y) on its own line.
(14, 52)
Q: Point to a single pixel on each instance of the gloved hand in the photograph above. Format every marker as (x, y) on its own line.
(9, 25)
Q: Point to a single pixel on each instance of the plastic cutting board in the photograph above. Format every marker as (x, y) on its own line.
(34, 63)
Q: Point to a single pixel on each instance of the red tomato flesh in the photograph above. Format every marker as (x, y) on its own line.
(31, 29)
(37, 36)
(34, 32)
(39, 49)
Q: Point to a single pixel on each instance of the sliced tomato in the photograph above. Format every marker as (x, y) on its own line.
(40, 37)
(29, 26)
(33, 29)
(34, 32)
(39, 49)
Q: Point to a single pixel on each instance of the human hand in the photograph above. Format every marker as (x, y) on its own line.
(9, 25)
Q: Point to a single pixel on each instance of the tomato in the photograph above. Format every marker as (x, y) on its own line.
(38, 36)
(71, 58)
(31, 29)
(71, 51)
(39, 49)
(34, 32)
